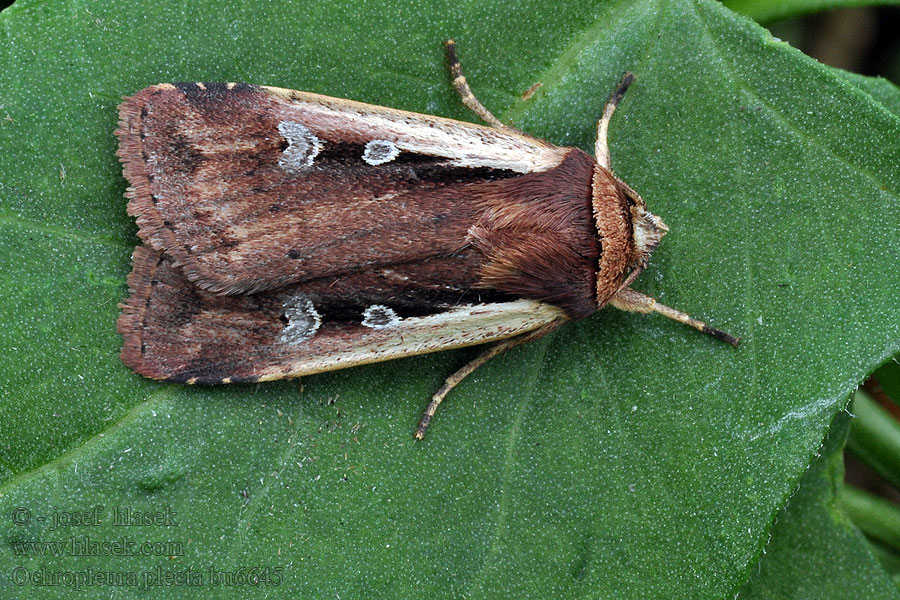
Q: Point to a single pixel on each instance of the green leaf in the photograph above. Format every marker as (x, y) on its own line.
(768, 11)
(624, 456)
(881, 90)
(815, 551)
(888, 377)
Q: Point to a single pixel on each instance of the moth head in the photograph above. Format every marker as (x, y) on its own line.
(628, 232)
(648, 229)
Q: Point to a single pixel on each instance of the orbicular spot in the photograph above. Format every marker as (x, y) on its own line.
(303, 320)
(303, 146)
(379, 316)
(378, 152)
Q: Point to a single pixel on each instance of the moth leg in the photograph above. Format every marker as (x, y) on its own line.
(601, 148)
(632, 301)
(456, 378)
(462, 86)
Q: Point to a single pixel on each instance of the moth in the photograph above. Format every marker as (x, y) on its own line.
(287, 233)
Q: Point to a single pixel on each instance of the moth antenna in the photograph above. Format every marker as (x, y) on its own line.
(465, 92)
(632, 301)
(470, 367)
(601, 148)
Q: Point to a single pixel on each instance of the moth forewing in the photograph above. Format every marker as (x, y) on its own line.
(458, 327)
(175, 331)
(462, 144)
(247, 187)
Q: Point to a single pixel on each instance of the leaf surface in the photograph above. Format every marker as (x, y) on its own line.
(623, 456)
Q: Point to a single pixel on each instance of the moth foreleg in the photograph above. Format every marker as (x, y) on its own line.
(462, 86)
(469, 368)
(601, 147)
(632, 301)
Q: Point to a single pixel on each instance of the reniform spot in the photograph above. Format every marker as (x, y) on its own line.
(302, 148)
(303, 320)
(379, 316)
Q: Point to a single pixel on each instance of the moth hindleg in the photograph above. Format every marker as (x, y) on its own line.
(470, 367)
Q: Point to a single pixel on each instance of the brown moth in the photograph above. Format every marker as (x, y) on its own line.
(287, 233)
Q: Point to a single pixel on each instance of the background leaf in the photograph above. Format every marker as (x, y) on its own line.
(769, 11)
(622, 457)
(813, 536)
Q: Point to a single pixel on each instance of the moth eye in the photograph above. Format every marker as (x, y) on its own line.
(378, 152)
(303, 146)
(379, 316)
(303, 320)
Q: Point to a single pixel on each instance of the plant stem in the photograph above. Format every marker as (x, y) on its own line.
(875, 437)
(875, 516)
